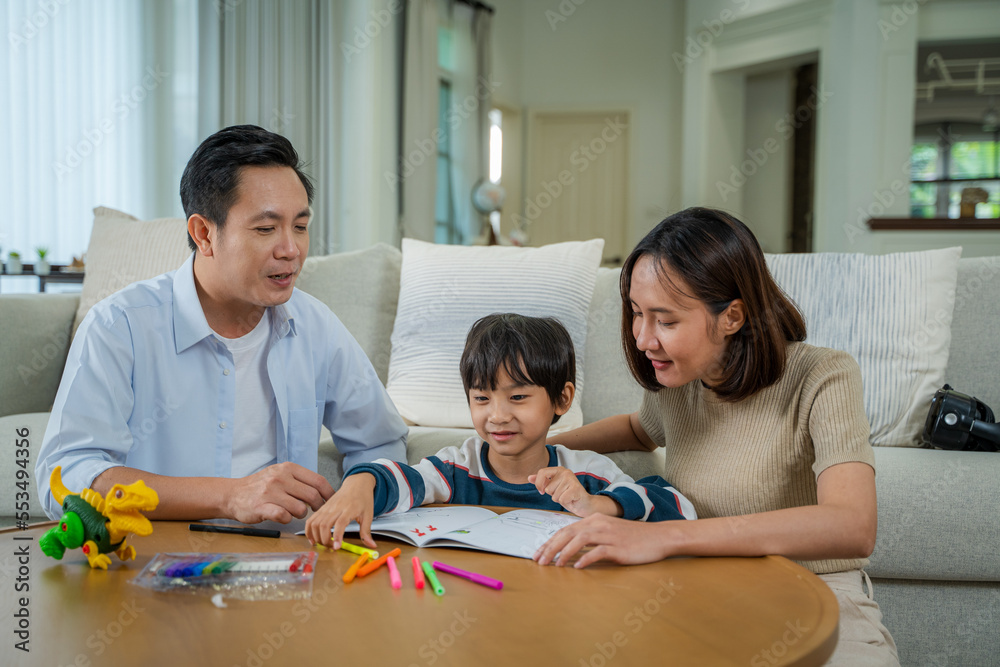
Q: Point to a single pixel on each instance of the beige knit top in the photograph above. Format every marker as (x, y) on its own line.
(764, 453)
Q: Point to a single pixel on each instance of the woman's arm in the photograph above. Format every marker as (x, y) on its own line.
(842, 525)
(611, 434)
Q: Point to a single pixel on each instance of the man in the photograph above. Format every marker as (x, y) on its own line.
(211, 382)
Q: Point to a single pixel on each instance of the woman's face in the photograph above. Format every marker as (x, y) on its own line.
(678, 334)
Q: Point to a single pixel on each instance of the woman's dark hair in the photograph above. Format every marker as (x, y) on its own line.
(719, 260)
(533, 350)
(212, 175)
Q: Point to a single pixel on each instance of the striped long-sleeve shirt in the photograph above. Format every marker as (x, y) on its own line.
(462, 475)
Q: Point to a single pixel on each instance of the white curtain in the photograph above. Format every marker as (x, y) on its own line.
(275, 64)
(417, 175)
(90, 94)
(469, 113)
(103, 102)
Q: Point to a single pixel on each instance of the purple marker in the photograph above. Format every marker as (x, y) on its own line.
(471, 576)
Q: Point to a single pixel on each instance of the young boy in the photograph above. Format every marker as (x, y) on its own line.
(518, 374)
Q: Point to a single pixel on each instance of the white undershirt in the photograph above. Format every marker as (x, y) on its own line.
(254, 428)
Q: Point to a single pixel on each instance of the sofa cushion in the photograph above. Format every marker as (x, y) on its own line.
(445, 289)
(611, 389)
(34, 425)
(974, 359)
(35, 330)
(893, 314)
(362, 289)
(937, 515)
(124, 249)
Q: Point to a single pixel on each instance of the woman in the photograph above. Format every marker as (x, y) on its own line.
(766, 435)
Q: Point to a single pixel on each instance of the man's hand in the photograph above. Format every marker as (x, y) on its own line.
(354, 501)
(278, 493)
(565, 489)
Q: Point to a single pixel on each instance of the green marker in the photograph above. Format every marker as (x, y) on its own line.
(432, 578)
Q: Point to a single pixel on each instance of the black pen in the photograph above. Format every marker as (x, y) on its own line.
(237, 530)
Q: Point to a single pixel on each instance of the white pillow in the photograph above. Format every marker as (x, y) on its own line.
(444, 289)
(890, 312)
(124, 249)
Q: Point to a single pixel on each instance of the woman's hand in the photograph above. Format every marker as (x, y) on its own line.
(615, 540)
(354, 501)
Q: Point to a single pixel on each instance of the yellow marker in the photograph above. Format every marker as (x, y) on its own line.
(353, 570)
(355, 549)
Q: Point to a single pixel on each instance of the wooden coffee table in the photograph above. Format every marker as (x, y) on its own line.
(697, 611)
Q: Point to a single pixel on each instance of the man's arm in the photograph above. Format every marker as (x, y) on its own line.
(359, 413)
(277, 493)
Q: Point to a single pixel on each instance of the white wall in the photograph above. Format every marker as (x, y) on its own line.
(603, 55)
(767, 197)
(866, 53)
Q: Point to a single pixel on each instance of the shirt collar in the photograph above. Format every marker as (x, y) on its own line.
(190, 325)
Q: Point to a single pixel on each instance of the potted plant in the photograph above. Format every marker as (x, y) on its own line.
(42, 266)
(14, 265)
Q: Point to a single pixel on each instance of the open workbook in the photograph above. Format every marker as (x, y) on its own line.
(517, 533)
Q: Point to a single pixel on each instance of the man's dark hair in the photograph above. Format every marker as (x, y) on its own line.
(532, 350)
(209, 185)
(719, 260)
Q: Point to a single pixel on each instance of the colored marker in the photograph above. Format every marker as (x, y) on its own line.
(471, 576)
(353, 570)
(432, 578)
(355, 549)
(394, 579)
(418, 574)
(376, 564)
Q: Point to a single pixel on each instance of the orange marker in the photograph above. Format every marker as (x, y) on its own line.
(376, 564)
(418, 573)
(353, 570)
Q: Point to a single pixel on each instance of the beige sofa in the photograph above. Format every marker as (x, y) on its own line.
(936, 569)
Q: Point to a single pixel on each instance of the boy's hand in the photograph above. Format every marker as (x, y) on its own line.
(354, 501)
(565, 489)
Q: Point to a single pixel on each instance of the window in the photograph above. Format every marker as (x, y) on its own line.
(955, 172)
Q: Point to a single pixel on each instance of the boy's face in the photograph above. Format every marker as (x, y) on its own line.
(514, 419)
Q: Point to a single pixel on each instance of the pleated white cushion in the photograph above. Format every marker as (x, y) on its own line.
(892, 313)
(444, 289)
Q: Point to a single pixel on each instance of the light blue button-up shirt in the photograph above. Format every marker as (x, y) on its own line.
(147, 384)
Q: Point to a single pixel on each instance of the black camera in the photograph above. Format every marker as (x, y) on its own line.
(961, 422)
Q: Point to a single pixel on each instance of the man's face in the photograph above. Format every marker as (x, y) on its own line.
(257, 255)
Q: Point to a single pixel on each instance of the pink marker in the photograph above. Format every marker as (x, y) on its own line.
(394, 578)
(418, 573)
(471, 576)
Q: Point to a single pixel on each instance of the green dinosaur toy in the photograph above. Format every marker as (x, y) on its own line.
(98, 525)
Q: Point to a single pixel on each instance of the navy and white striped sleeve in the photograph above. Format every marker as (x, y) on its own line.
(650, 499)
